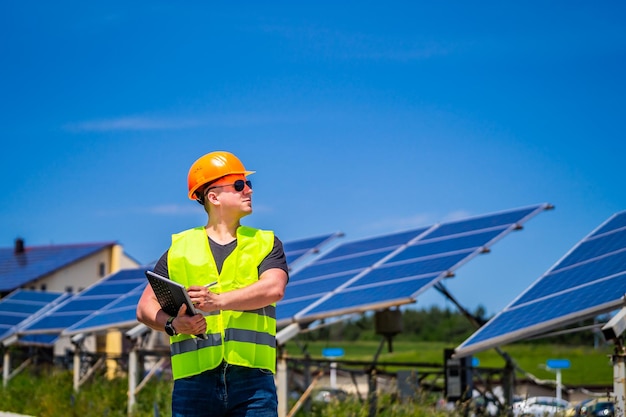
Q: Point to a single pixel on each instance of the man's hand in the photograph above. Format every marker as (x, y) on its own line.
(203, 299)
(186, 324)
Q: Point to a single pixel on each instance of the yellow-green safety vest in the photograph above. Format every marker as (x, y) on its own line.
(245, 338)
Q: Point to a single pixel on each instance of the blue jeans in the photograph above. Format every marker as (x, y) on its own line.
(226, 391)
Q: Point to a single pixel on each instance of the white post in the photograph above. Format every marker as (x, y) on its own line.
(556, 365)
(6, 368)
(619, 383)
(282, 386)
(132, 377)
(559, 386)
(333, 374)
(76, 368)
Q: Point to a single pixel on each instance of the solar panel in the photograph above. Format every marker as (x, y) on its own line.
(392, 269)
(110, 291)
(589, 280)
(297, 250)
(120, 313)
(20, 305)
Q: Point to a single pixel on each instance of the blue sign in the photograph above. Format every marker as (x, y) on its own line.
(558, 363)
(332, 352)
(475, 362)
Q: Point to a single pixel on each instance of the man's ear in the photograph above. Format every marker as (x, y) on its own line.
(211, 197)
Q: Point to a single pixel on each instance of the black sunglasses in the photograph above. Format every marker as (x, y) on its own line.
(238, 185)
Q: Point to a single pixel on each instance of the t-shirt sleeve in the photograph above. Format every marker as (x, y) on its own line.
(275, 259)
(161, 266)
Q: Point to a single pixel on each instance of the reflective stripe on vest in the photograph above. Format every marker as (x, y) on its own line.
(245, 338)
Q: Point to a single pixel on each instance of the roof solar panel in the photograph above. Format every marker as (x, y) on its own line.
(391, 269)
(589, 280)
(17, 269)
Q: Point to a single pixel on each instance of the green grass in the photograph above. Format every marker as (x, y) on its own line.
(50, 393)
(589, 366)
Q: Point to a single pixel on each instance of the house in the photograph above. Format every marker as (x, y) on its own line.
(54, 271)
(59, 268)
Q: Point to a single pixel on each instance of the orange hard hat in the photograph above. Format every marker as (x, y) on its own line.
(211, 167)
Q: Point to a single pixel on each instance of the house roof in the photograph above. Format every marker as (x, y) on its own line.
(20, 266)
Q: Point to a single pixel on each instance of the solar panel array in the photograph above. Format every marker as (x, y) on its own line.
(113, 293)
(19, 306)
(393, 269)
(112, 301)
(297, 250)
(589, 280)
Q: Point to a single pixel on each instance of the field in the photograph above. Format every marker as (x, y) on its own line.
(48, 392)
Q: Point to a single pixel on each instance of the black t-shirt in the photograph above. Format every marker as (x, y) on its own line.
(275, 259)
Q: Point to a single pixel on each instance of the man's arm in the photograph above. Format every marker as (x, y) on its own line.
(269, 289)
(149, 312)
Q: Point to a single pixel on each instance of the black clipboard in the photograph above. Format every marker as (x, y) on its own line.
(171, 295)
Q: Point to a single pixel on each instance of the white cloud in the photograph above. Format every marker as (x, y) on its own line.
(394, 224)
(456, 215)
(162, 210)
(132, 123)
(142, 123)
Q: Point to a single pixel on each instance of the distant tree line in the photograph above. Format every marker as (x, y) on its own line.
(436, 325)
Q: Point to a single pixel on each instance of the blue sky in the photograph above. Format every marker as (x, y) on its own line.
(360, 117)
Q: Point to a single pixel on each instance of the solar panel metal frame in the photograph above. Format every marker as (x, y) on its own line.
(478, 342)
(307, 304)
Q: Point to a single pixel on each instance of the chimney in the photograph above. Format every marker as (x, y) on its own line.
(19, 246)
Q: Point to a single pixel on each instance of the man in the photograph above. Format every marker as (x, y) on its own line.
(234, 275)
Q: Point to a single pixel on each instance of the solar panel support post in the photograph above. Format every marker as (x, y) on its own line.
(7, 375)
(76, 378)
(77, 342)
(619, 378)
(6, 367)
(132, 377)
(372, 397)
(613, 331)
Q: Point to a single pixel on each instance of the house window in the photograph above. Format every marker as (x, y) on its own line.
(103, 269)
(69, 289)
(43, 287)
